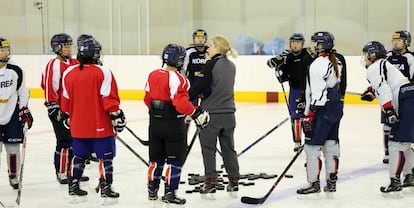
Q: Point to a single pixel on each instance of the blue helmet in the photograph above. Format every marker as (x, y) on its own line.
(89, 49)
(173, 55)
(374, 50)
(58, 41)
(297, 37)
(83, 37)
(326, 39)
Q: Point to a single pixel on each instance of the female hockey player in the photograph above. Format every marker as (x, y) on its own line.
(92, 129)
(166, 96)
(396, 97)
(14, 97)
(61, 45)
(292, 66)
(324, 109)
(216, 83)
(402, 58)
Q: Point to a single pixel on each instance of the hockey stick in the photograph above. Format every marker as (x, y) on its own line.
(262, 137)
(132, 150)
(145, 143)
(191, 143)
(353, 93)
(251, 200)
(292, 124)
(19, 191)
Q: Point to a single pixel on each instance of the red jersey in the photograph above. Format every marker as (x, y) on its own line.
(89, 95)
(52, 78)
(169, 86)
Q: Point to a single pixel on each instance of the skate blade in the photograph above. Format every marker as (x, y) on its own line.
(312, 196)
(394, 194)
(330, 195)
(233, 194)
(208, 196)
(172, 205)
(105, 201)
(78, 199)
(408, 190)
(9, 205)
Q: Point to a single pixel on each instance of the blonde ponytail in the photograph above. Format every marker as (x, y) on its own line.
(224, 46)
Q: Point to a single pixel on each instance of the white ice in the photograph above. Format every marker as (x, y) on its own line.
(361, 172)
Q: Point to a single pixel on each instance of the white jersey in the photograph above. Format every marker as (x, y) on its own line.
(386, 81)
(321, 77)
(13, 91)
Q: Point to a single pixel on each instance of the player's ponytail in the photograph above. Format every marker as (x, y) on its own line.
(224, 46)
(332, 59)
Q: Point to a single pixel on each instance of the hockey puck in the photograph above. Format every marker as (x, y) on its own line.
(288, 176)
(188, 191)
(182, 182)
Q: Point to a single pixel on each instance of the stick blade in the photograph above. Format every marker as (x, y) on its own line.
(250, 200)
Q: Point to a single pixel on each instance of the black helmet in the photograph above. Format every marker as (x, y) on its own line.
(374, 50)
(173, 55)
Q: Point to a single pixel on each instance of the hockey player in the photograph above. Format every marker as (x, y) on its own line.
(396, 96)
(84, 85)
(216, 82)
(292, 65)
(324, 109)
(61, 45)
(195, 58)
(402, 59)
(166, 96)
(14, 97)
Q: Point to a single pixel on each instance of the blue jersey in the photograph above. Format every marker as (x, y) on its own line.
(404, 63)
(194, 61)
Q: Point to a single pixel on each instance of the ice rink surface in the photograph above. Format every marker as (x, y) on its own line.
(361, 172)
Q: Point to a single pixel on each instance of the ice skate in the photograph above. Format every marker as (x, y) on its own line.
(310, 192)
(152, 191)
(208, 189)
(233, 187)
(62, 178)
(393, 190)
(107, 194)
(408, 184)
(171, 198)
(76, 194)
(14, 182)
(330, 186)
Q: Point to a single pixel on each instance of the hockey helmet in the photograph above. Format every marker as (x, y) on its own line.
(4, 43)
(89, 49)
(326, 39)
(173, 55)
(374, 50)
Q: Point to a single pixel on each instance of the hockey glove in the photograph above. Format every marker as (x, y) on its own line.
(279, 74)
(272, 63)
(26, 116)
(391, 117)
(300, 103)
(188, 119)
(201, 117)
(118, 120)
(65, 120)
(53, 109)
(307, 124)
(368, 95)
